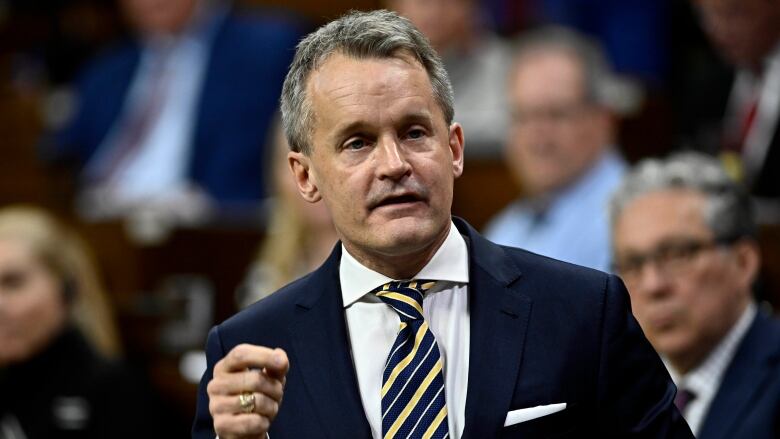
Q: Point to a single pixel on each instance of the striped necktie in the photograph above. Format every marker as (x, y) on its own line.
(413, 402)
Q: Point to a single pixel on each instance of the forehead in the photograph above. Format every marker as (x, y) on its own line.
(655, 216)
(547, 75)
(345, 83)
(13, 250)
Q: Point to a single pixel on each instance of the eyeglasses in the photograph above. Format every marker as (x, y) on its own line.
(671, 258)
(556, 114)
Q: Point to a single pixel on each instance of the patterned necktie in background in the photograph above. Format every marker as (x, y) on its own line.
(413, 402)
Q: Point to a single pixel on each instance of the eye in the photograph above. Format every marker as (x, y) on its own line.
(415, 133)
(630, 265)
(355, 144)
(13, 280)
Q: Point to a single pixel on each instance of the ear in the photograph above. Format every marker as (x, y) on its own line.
(300, 165)
(457, 143)
(748, 260)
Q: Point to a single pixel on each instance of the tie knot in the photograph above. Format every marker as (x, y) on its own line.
(405, 297)
(683, 398)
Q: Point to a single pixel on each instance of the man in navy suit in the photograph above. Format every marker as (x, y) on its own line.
(684, 242)
(182, 108)
(504, 343)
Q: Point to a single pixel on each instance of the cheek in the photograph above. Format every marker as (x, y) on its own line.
(31, 320)
(710, 299)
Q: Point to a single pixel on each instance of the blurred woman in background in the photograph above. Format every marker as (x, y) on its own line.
(300, 234)
(59, 376)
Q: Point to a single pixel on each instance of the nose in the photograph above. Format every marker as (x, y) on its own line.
(392, 160)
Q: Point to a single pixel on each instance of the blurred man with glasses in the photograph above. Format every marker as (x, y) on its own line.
(561, 149)
(684, 243)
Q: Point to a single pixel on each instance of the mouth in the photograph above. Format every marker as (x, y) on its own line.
(663, 321)
(401, 200)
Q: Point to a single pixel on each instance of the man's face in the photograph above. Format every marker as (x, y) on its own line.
(744, 31)
(555, 134)
(383, 159)
(692, 292)
(159, 16)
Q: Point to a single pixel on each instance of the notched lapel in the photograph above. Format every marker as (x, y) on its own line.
(745, 377)
(321, 346)
(499, 317)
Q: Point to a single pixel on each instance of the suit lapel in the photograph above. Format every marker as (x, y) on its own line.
(499, 320)
(743, 380)
(321, 348)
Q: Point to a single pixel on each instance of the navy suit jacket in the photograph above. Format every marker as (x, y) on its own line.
(747, 404)
(248, 60)
(542, 332)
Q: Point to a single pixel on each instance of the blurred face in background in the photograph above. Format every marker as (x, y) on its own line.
(159, 16)
(686, 289)
(445, 22)
(32, 307)
(556, 133)
(744, 31)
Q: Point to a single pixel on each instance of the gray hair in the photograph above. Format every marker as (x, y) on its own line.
(728, 211)
(600, 83)
(362, 35)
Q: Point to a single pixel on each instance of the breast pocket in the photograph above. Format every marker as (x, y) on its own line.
(555, 425)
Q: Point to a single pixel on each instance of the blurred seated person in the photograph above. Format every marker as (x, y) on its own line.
(561, 149)
(746, 33)
(300, 235)
(59, 376)
(684, 243)
(176, 118)
(476, 60)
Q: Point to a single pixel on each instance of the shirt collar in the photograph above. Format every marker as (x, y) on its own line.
(449, 263)
(711, 370)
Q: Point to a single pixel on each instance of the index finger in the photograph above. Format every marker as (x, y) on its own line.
(246, 356)
(280, 368)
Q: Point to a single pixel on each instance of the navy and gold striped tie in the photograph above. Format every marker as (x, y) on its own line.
(413, 402)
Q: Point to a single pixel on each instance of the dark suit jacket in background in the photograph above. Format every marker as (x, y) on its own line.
(247, 62)
(542, 332)
(747, 404)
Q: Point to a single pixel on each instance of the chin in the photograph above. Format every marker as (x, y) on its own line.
(405, 235)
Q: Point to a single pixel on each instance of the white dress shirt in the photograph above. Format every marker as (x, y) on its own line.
(373, 326)
(704, 381)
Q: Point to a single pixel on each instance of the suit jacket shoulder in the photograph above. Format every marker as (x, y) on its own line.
(747, 404)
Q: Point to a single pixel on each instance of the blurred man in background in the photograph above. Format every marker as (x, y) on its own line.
(176, 118)
(560, 147)
(684, 244)
(747, 35)
(476, 60)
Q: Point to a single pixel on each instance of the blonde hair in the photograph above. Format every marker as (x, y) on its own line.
(280, 253)
(69, 259)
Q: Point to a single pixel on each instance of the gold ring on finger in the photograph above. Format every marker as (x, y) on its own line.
(247, 402)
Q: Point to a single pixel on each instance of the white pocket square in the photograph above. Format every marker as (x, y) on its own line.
(527, 414)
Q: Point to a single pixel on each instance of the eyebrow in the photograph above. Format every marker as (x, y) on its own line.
(421, 117)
